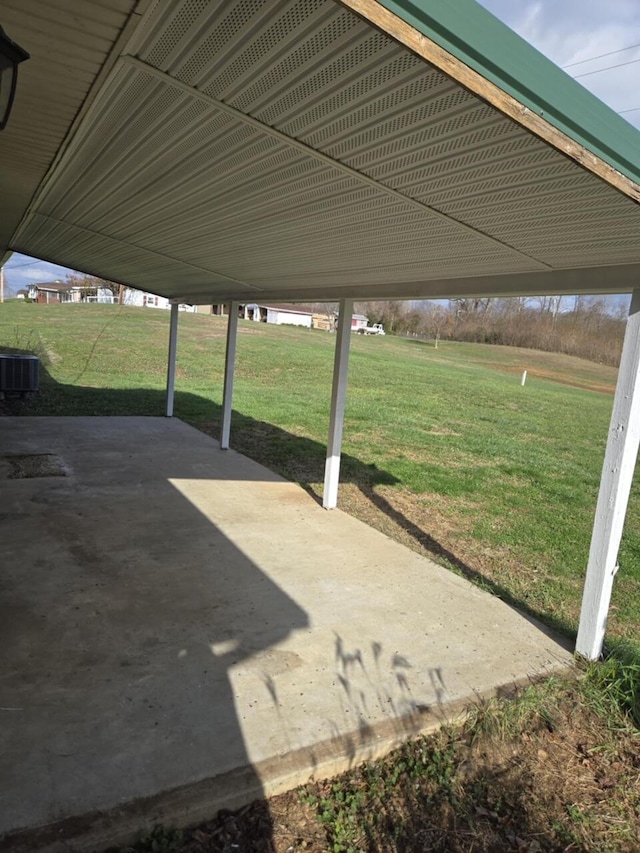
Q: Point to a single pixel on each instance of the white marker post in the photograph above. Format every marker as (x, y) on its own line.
(615, 484)
(524, 377)
(171, 360)
(229, 370)
(338, 401)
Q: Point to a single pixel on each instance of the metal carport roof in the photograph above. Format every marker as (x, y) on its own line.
(208, 150)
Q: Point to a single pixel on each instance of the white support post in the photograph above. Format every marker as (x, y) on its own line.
(338, 399)
(229, 370)
(617, 473)
(171, 361)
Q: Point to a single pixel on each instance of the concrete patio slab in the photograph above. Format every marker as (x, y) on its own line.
(181, 630)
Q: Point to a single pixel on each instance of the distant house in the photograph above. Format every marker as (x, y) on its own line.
(47, 292)
(140, 299)
(359, 321)
(218, 309)
(62, 291)
(291, 315)
(327, 322)
(280, 315)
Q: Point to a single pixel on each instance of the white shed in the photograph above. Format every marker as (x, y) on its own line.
(289, 317)
(140, 299)
(359, 321)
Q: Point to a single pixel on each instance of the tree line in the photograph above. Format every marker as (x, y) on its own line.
(585, 326)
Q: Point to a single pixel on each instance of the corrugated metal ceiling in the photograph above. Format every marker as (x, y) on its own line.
(290, 149)
(68, 48)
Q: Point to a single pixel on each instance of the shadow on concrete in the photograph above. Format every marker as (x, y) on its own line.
(116, 643)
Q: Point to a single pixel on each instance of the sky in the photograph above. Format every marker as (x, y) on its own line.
(569, 32)
(573, 32)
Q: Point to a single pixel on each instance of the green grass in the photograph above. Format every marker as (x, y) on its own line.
(443, 448)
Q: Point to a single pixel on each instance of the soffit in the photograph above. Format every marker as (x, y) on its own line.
(291, 150)
(69, 46)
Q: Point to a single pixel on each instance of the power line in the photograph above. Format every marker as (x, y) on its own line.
(601, 56)
(28, 264)
(634, 110)
(608, 68)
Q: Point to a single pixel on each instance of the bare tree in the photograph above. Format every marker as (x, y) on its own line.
(91, 284)
(586, 326)
(328, 309)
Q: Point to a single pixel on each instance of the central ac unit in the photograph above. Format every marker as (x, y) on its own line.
(19, 373)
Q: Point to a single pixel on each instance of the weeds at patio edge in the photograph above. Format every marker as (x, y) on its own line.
(158, 840)
(613, 684)
(555, 769)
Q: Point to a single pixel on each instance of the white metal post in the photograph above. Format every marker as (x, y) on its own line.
(338, 399)
(171, 361)
(617, 473)
(229, 369)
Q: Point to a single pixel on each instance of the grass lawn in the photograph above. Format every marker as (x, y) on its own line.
(446, 452)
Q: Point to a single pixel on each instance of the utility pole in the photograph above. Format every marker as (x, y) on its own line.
(1, 284)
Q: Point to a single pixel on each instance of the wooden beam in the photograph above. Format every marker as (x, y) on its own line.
(229, 371)
(338, 401)
(615, 485)
(401, 31)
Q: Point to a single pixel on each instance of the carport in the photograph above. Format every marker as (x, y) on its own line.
(317, 150)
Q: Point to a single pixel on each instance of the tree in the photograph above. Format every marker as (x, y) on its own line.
(91, 284)
(329, 309)
(391, 313)
(438, 318)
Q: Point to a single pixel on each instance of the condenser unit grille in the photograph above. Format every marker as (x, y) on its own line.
(19, 373)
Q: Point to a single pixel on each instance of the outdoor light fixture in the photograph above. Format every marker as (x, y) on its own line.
(11, 55)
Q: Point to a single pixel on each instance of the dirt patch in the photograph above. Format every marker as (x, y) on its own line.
(280, 825)
(561, 378)
(30, 466)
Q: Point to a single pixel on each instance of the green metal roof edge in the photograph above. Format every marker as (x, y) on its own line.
(476, 37)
